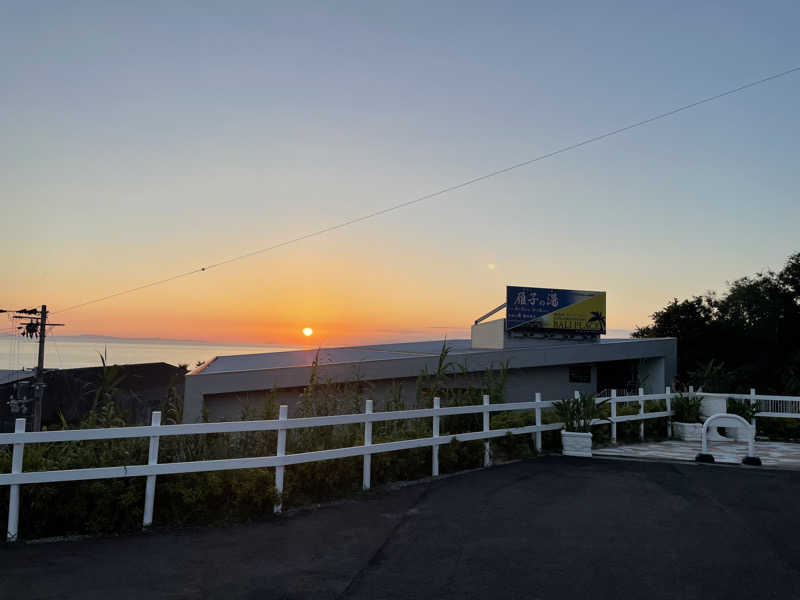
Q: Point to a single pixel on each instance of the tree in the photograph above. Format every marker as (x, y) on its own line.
(691, 321)
(750, 332)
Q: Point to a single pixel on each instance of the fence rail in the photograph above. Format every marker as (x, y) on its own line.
(280, 460)
(787, 407)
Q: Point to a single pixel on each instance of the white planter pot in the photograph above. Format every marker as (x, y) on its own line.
(740, 434)
(576, 444)
(690, 432)
(713, 406)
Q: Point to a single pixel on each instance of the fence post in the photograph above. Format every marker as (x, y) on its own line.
(152, 459)
(752, 403)
(538, 434)
(283, 414)
(487, 455)
(614, 416)
(669, 409)
(13, 498)
(435, 449)
(367, 442)
(641, 412)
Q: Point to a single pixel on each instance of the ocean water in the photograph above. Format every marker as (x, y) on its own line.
(65, 352)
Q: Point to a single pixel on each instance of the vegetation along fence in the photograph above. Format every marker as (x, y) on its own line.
(776, 406)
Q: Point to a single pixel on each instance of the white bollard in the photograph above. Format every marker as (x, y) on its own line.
(704, 434)
(435, 449)
(283, 415)
(367, 442)
(538, 424)
(13, 498)
(152, 459)
(487, 454)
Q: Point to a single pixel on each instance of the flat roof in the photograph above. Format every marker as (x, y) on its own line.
(380, 352)
(13, 375)
(293, 369)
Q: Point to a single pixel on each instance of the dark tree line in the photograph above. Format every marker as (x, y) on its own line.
(747, 337)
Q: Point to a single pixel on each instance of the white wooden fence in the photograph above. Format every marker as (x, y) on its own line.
(787, 407)
(155, 431)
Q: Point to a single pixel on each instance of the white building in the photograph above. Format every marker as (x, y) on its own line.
(537, 362)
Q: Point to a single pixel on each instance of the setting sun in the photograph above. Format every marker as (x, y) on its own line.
(307, 331)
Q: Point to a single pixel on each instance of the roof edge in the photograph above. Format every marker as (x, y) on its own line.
(202, 367)
(479, 353)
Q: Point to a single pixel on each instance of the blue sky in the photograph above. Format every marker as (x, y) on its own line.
(140, 140)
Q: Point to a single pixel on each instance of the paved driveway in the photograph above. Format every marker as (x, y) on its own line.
(546, 528)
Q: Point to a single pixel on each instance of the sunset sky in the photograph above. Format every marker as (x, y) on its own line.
(142, 140)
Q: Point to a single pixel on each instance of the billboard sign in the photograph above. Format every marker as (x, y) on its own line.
(554, 309)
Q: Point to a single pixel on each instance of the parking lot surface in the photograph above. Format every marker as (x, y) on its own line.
(551, 527)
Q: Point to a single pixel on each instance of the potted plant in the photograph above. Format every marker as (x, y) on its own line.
(745, 409)
(577, 415)
(687, 422)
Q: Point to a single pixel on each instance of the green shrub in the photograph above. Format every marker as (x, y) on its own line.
(510, 446)
(743, 408)
(687, 408)
(578, 413)
(778, 429)
(774, 428)
(116, 505)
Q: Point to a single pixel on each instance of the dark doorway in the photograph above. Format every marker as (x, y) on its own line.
(620, 375)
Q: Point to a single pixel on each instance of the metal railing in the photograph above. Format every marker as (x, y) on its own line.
(280, 460)
(787, 407)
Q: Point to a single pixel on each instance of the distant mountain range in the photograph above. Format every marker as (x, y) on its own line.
(91, 337)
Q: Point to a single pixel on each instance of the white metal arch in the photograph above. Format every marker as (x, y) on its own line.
(729, 420)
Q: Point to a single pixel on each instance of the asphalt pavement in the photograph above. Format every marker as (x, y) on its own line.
(546, 528)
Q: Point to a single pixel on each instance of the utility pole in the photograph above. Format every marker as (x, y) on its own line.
(39, 386)
(36, 326)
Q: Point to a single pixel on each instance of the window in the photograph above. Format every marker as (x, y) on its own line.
(580, 374)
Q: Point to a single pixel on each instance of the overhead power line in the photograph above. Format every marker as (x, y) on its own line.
(442, 191)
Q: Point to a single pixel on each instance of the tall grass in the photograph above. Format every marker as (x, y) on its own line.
(116, 505)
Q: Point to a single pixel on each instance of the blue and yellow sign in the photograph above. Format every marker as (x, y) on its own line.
(563, 310)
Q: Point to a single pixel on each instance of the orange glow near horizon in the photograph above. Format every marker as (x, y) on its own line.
(405, 297)
(338, 320)
(217, 192)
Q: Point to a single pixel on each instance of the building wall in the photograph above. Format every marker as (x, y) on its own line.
(552, 382)
(232, 406)
(521, 385)
(489, 334)
(222, 395)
